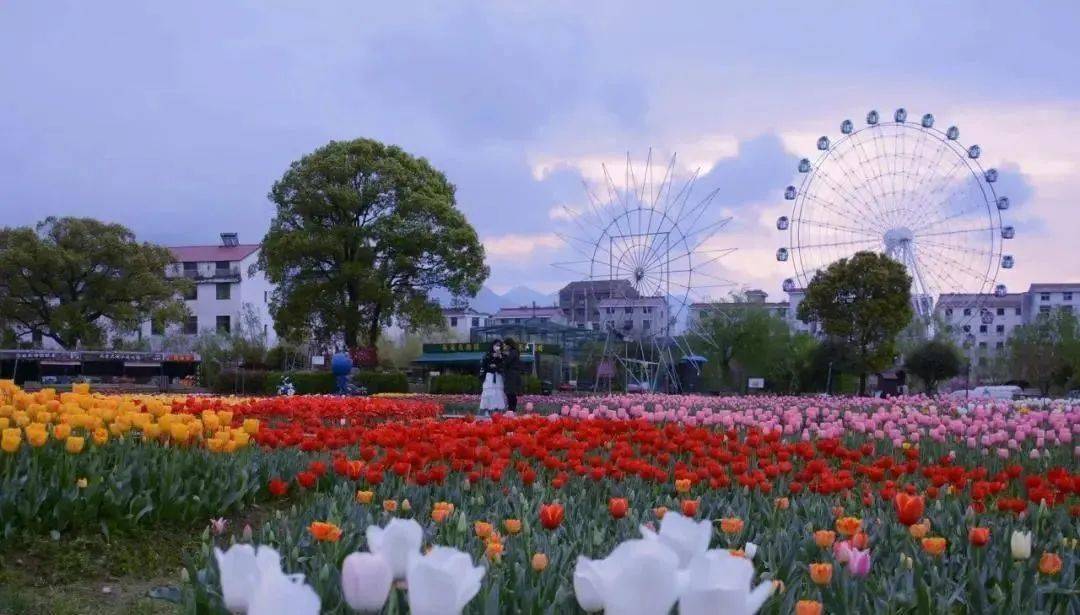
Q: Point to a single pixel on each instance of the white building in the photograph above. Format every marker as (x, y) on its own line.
(227, 288)
(1041, 298)
(758, 299)
(985, 329)
(634, 317)
(458, 324)
(515, 315)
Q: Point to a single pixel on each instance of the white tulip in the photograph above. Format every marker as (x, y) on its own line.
(589, 584)
(278, 593)
(239, 571)
(397, 543)
(643, 579)
(750, 550)
(686, 537)
(442, 582)
(719, 584)
(365, 581)
(1021, 545)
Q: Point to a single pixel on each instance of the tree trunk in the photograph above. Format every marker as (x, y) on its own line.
(862, 384)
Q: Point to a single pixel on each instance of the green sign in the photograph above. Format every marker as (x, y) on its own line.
(529, 348)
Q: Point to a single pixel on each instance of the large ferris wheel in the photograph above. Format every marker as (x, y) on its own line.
(906, 189)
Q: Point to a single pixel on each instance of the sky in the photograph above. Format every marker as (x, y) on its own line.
(176, 118)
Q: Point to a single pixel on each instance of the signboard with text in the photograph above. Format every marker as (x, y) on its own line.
(529, 348)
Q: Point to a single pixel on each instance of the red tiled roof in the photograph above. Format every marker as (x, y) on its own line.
(213, 253)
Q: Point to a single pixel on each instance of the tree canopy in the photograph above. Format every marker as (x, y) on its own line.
(863, 301)
(362, 234)
(1046, 351)
(72, 279)
(934, 361)
(746, 341)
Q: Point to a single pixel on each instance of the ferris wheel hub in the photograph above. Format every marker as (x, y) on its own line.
(639, 274)
(898, 237)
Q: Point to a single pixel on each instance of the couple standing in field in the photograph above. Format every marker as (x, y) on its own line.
(501, 372)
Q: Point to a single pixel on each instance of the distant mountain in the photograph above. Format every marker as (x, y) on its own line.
(489, 301)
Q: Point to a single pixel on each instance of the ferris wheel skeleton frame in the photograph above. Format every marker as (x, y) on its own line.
(653, 238)
(910, 191)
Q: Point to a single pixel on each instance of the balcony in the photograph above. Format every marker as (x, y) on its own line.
(208, 274)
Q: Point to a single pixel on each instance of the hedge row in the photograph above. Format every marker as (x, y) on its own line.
(465, 384)
(256, 382)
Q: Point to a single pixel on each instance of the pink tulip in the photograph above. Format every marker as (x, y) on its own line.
(859, 563)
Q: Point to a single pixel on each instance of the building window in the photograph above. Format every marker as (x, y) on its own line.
(982, 328)
(628, 309)
(453, 321)
(223, 324)
(1067, 309)
(982, 361)
(999, 345)
(266, 296)
(628, 324)
(191, 325)
(609, 310)
(967, 311)
(221, 267)
(967, 328)
(646, 325)
(982, 345)
(36, 337)
(224, 291)
(1066, 296)
(1000, 329)
(1044, 296)
(948, 312)
(192, 292)
(1044, 309)
(191, 268)
(647, 309)
(1017, 311)
(157, 326)
(1001, 311)
(476, 321)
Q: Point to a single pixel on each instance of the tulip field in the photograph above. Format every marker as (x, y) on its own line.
(629, 505)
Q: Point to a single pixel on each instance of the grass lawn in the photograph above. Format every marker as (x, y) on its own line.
(91, 574)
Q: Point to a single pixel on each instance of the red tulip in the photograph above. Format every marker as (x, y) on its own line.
(551, 515)
(690, 507)
(278, 487)
(618, 507)
(909, 508)
(307, 480)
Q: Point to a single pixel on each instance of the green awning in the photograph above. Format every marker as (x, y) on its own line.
(457, 358)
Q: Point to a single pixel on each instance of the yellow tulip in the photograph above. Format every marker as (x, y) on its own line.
(101, 436)
(152, 431)
(37, 436)
(81, 483)
(10, 445)
(5, 422)
(61, 431)
(179, 433)
(74, 444)
(251, 426)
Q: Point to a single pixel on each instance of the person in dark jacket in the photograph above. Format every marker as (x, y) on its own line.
(512, 374)
(492, 395)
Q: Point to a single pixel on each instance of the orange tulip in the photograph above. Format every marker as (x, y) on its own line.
(934, 546)
(848, 525)
(682, 485)
(389, 505)
(494, 550)
(660, 511)
(783, 503)
(979, 536)
(808, 607)
(731, 525)
(860, 540)
(821, 573)
(1050, 563)
(365, 497)
(512, 526)
(324, 531)
(539, 562)
(824, 538)
(482, 528)
(439, 515)
(919, 530)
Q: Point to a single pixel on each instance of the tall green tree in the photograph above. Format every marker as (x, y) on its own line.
(1043, 352)
(72, 279)
(934, 361)
(362, 234)
(863, 301)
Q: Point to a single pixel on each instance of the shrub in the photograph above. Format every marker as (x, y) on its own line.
(455, 384)
(382, 382)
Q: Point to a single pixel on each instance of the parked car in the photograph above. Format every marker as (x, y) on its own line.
(1006, 391)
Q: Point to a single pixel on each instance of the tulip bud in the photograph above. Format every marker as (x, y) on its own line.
(1020, 543)
(539, 562)
(365, 581)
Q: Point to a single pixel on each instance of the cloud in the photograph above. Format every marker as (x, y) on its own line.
(519, 246)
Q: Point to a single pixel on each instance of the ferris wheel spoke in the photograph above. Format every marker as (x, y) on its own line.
(851, 198)
(955, 248)
(831, 208)
(965, 231)
(956, 265)
(803, 247)
(939, 186)
(836, 227)
(863, 182)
